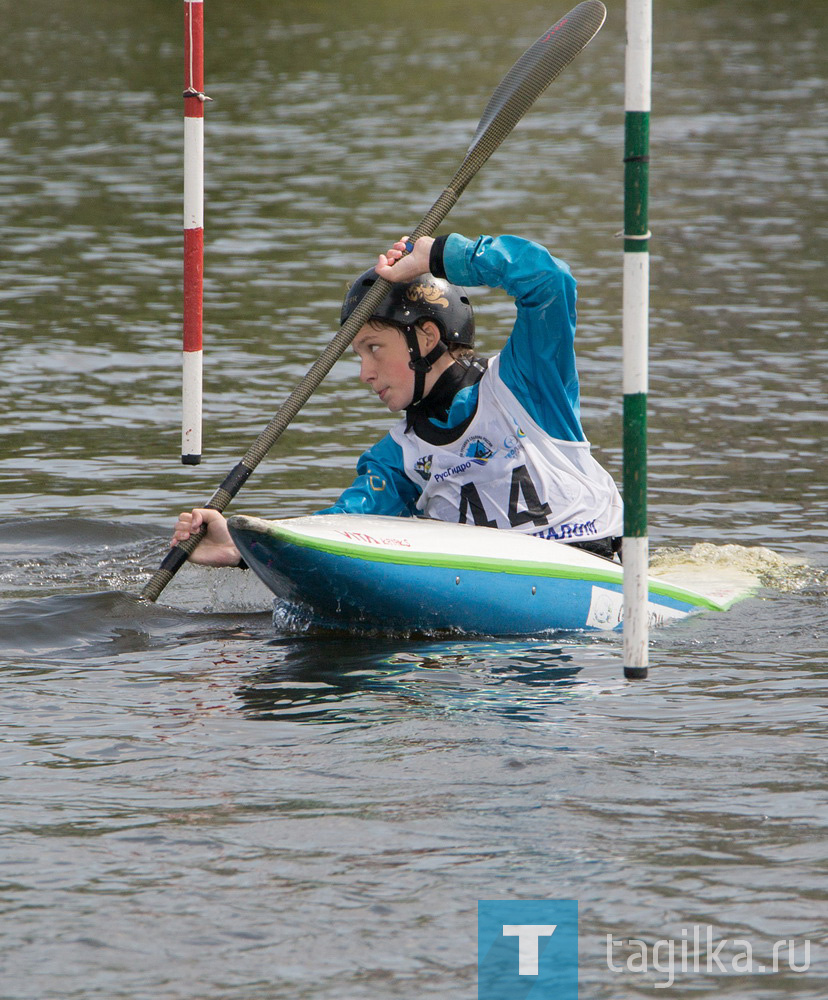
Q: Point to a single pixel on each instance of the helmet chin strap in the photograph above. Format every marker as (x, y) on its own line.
(421, 364)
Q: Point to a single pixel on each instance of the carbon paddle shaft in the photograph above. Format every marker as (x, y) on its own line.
(539, 65)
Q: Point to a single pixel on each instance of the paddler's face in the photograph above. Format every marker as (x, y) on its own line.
(383, 356)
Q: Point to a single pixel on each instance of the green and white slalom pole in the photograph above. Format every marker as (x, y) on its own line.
(636, 300)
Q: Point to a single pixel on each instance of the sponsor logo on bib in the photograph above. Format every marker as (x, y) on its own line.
(423, 466)
(478, 448)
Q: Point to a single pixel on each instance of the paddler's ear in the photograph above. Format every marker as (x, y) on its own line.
(431, 333)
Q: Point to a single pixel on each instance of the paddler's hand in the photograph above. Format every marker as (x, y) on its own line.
(217, 547)
(397, 265)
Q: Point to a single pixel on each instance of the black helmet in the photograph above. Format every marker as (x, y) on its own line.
(425, 297)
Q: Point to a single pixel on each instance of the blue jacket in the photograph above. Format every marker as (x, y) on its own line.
(537, 363)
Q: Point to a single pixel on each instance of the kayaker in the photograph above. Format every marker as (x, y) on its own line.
(496, 441)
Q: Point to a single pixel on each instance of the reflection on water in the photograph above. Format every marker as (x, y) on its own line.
(313, 680)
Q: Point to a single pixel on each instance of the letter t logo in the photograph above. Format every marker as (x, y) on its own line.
(527, 935)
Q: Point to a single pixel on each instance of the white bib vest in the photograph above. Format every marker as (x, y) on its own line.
(505, 471)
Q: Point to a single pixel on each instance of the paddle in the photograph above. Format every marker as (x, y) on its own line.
(515, 94)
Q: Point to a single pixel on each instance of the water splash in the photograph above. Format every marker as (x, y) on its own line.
(754, 565)
(219, 590)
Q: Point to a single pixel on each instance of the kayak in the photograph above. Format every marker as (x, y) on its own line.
(420, 574)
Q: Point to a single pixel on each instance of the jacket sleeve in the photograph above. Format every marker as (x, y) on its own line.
(538, 361)
(380, 487)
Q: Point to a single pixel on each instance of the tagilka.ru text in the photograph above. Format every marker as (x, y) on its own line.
(697, 951)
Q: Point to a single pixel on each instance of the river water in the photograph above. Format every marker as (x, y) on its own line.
(200, 802)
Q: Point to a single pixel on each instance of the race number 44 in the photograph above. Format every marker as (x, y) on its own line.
(524, 503)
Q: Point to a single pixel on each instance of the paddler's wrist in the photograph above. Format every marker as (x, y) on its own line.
(435, 257)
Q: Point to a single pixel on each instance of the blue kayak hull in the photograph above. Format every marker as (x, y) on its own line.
(412, 575)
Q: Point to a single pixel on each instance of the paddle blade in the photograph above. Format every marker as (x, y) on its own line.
(532, 74)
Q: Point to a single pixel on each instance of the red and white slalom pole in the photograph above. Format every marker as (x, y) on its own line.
(194, 99)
